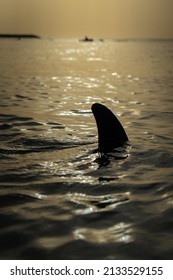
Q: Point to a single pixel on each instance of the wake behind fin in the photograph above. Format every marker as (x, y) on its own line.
(111, 134)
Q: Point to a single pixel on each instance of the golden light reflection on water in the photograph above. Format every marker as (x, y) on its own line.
(118, 233)
(93, 204)
(121, 232)
(53, 242)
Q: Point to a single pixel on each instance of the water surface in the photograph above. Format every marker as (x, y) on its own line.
(57, 201)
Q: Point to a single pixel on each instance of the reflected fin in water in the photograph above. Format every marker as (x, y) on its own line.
(112, 138)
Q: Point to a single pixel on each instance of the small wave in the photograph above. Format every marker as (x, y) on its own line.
(5, 126)
(7, 200)
(13, 118)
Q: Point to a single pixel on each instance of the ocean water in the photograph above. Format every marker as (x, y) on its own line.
(56, 200)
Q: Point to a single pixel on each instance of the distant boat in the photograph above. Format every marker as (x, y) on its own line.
(86, 39)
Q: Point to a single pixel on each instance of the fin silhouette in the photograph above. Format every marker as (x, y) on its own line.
(111, 134)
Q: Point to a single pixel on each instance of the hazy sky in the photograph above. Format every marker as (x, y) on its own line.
(95, 18)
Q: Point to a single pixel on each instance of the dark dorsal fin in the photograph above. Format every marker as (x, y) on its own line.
(111, 134)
